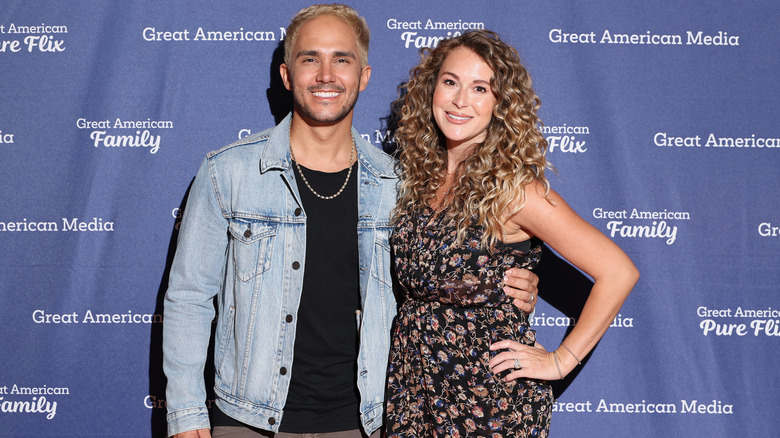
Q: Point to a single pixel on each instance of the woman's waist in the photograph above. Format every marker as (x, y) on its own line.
(430, 305)
(503, 321)
(459, 294)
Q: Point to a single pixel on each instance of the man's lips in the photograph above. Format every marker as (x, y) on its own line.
(326, 93)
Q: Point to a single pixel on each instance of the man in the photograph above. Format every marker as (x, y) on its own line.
(289, 229)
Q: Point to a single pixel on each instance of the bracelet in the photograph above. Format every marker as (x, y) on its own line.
(572, 353)
(557, 365)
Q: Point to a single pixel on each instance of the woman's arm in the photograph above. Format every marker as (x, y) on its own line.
(553, 221)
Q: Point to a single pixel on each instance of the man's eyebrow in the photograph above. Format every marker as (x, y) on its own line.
(307, 53)
(338, 53)
(343, 54)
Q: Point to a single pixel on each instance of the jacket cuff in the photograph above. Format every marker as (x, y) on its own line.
(184, 420)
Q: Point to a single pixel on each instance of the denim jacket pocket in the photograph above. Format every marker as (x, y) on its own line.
(250, 247)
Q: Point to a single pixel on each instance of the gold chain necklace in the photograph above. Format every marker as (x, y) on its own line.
(343, 186)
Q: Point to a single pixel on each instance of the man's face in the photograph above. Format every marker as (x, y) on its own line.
(325, 75)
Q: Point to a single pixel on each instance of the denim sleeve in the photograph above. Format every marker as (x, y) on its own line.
(196, 277)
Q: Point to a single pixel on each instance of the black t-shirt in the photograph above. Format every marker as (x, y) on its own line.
(323, 394)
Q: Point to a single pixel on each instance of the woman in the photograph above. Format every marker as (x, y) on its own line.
(474, 201)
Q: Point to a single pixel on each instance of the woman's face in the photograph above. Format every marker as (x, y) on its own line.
(462, 99)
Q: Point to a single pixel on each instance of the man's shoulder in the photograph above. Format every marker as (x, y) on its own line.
(375, 159)
(251, 144)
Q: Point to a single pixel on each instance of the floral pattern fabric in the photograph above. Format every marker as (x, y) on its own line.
(439, 381)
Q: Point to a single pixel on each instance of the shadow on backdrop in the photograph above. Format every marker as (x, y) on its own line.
(280, 100)
(389, 123)
(565, 288)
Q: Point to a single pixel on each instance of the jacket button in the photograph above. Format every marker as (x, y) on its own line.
(298, 211)
(283, 371)
(289, 318)
(272, 421)
(248, 234)
(296, 265)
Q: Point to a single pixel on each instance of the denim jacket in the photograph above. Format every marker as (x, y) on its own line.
(242, 239)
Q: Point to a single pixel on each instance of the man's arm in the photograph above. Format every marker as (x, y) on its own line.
(200, 433)
(196, 277)
(521, 284)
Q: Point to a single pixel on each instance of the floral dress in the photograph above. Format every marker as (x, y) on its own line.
(439, 382)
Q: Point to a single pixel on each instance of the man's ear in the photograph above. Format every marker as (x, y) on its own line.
(365, 75)
(284, 72)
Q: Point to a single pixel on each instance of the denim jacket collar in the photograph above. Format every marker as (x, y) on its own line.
(277, 151)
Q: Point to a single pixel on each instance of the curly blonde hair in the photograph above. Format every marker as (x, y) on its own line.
(494, 176)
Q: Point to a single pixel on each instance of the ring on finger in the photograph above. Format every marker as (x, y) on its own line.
(517, 364)
(532, 299)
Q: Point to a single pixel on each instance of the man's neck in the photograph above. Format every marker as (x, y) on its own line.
(325, 147)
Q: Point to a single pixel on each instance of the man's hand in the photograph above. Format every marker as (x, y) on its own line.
(200, 433)
(520, 284)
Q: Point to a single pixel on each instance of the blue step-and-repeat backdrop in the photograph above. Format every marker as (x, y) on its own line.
(663, 124)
